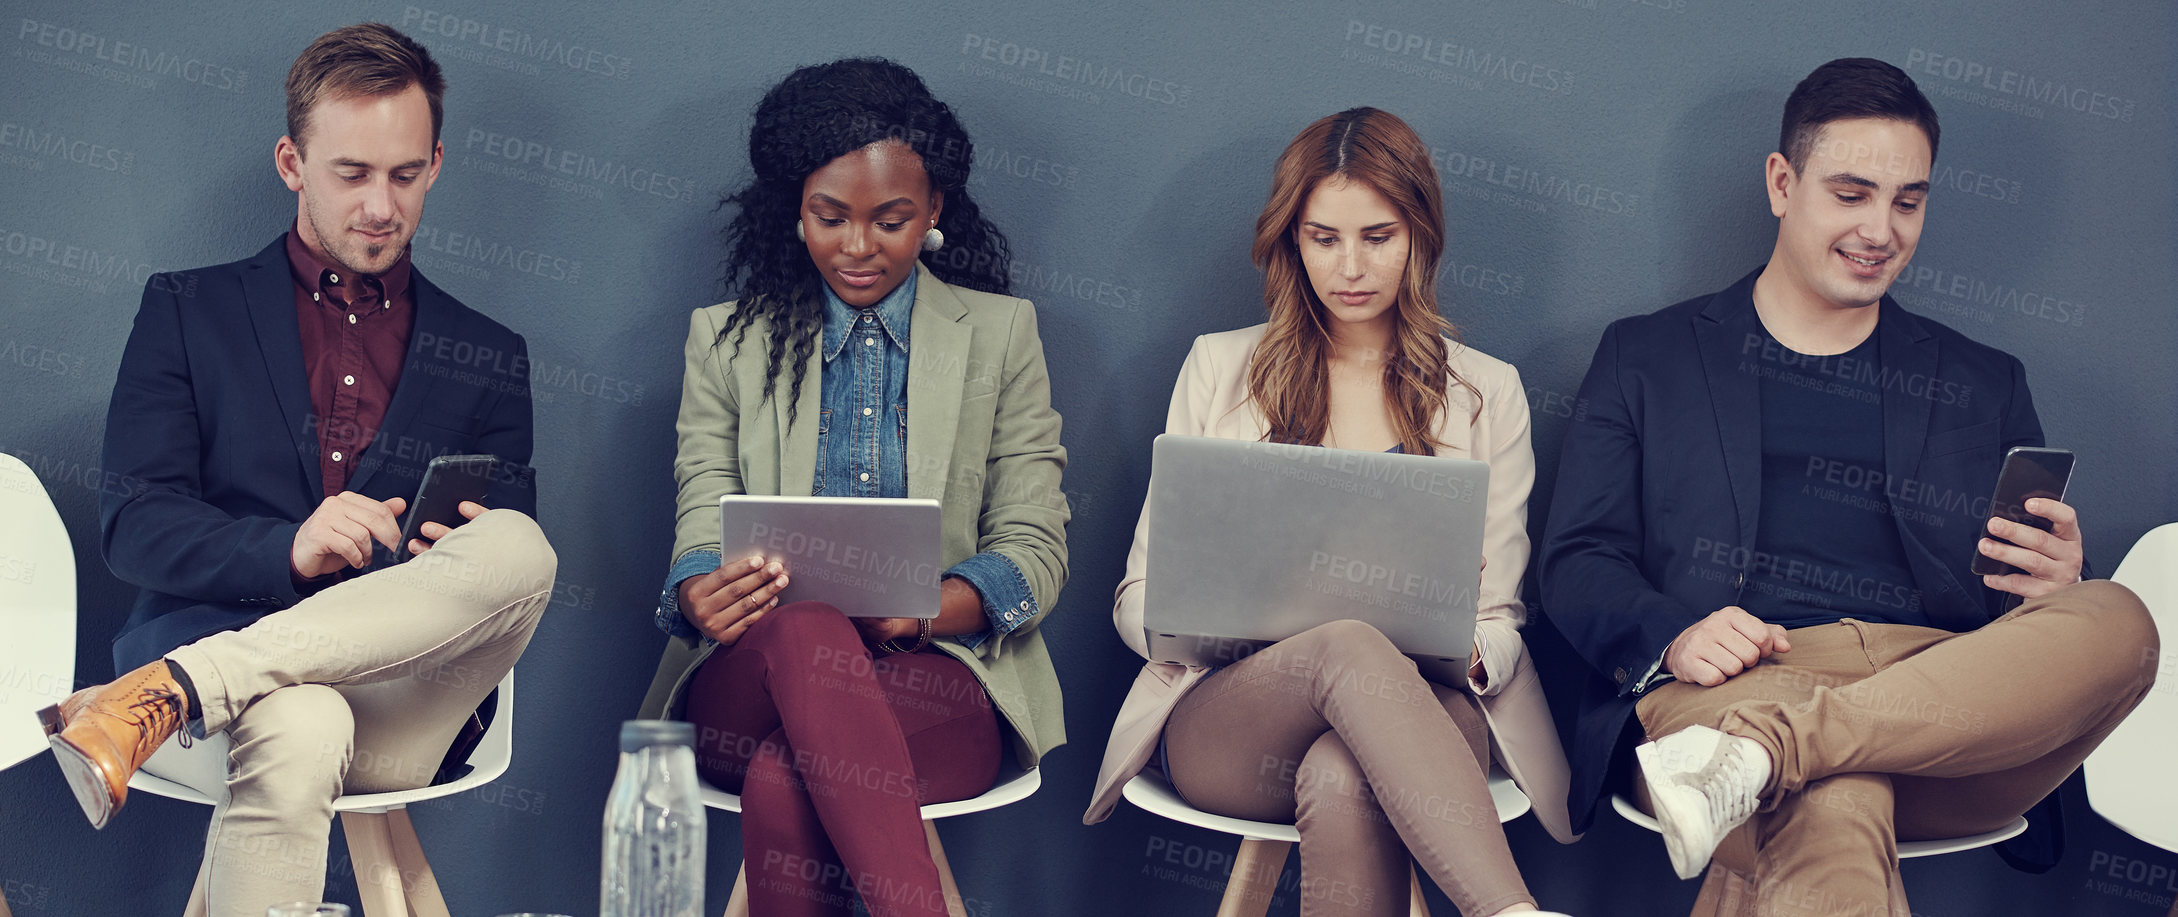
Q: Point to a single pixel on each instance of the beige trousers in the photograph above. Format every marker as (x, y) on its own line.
(1334, 730)
(1883, 732)
(357, 689)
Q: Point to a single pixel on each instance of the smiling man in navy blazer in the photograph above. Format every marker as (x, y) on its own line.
(1761, 540)
(271, 420)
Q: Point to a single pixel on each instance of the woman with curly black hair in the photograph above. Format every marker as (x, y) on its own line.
(872, 352)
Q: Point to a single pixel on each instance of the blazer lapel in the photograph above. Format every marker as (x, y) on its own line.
(269, 291)
(797, 471)
(1735, 396)
(1906, 351)
(937, 372)
(434, 322)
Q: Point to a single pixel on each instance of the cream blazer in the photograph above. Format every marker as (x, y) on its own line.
(1211, 399)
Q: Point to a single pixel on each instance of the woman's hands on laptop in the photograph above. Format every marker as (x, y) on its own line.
(724, 602)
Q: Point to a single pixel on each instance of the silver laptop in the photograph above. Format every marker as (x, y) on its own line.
(867, 557)
(1251, 543)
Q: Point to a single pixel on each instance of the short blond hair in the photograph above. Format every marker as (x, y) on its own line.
(366, 59)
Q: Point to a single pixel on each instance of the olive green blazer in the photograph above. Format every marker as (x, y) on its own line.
(982, 440)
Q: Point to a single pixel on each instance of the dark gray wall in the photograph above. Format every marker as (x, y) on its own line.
(1601, 158)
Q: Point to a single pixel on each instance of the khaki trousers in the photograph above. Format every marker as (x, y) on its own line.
(357, 689)
(1334, 730)
(1885, 732)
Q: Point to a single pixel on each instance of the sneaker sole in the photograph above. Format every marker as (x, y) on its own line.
(1669, 817)
(85, 778)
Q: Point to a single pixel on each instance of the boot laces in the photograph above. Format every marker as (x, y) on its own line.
(159, 710)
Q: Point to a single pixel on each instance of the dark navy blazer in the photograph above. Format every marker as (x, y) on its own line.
(1652, 524)
(212, 446)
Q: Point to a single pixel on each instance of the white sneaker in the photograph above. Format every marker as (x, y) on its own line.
(1703, 783)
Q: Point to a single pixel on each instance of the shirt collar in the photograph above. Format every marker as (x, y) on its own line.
(307, 271)
(891, 313)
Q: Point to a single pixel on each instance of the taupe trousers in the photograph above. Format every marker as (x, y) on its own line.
(1334, 730)
(1884, 732)
(357, 689)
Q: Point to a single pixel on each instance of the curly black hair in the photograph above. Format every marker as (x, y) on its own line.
(817, 114)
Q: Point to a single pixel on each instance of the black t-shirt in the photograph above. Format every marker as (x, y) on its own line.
(1824, 549)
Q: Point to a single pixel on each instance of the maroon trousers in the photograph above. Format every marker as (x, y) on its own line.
(833, 752)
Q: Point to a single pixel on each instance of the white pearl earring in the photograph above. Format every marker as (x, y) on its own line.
(800, 233)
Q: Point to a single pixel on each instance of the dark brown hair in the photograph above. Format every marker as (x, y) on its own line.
(1846, 88)
(1289, 374)
(367, 59)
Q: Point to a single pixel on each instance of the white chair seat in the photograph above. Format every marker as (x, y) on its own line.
(1264, 845)
(1010, 788)
(1151, 793)
(1906, 849)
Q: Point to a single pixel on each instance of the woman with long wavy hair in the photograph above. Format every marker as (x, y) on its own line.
(872, 352)
(1373, 771)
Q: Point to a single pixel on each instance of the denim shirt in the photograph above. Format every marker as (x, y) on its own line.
(862, 452)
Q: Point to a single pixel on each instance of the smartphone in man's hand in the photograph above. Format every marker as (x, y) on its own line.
(2029, 472)
(448, 481)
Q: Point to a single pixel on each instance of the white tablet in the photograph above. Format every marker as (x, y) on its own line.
(868, 557)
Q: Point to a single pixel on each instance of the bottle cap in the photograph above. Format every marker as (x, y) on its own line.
(636, 735)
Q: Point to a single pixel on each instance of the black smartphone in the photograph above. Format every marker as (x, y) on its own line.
(448, 480)
(2029, 472)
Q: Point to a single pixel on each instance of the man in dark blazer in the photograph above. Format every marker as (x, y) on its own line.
(1761, 539)
(271, 420)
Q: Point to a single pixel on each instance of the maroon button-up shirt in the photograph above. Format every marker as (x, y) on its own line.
(354, 337)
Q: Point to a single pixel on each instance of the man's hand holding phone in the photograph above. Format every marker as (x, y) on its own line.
(429, 533)
(2047, 560)
(724, 602)
(339, 534)
(1728, 642)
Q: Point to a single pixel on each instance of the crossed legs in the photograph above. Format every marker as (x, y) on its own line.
(359, 688)
(1879, 733)
(1335, 730)
(833, 753)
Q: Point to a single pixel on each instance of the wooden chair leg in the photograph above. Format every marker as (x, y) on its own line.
(737, 905)
(1255, 877)
(419, 885)
(955, 906)
(377, 876)
(1417, 906)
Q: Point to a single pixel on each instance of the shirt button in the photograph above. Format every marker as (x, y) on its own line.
(347, 380)
(333, 277)
(351, 318)
(865, 475)
(388, 305)
(865, 412)
(869, 342)
(314, 297)
(336, 456)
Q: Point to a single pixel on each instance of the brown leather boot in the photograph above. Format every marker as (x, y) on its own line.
(101, 735)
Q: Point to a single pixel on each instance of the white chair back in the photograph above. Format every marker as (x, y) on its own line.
(37, 611)
(2128, 776)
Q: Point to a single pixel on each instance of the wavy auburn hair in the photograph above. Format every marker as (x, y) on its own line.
(815, 115)
(1289, 374)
